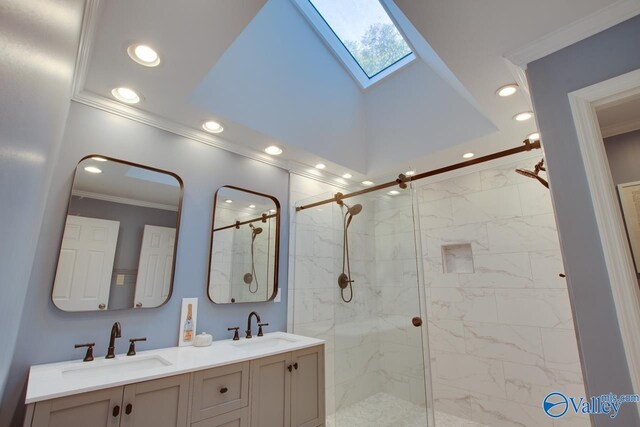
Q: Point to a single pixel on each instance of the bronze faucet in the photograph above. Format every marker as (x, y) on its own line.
(253, 313)
(116, 332)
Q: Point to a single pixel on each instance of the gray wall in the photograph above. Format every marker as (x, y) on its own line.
(38, 44)
(623, 154)
(601, 57)
(132, 221)
(48, 334)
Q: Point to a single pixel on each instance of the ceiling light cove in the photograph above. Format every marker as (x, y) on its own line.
(144, 55)
(507, 90)
(92, 169)
(321, 166)
(212, 127)
(273, 150)
(468, 155)
(523, 117)
(533, 137)
(367, 183)
(126, 95)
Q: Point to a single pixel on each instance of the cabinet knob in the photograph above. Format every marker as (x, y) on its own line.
(295, 366)
(417, 321)
(116, 410)
(223, 390)
(128, 409)
(102, 306)
(290, 368)
(138, 305)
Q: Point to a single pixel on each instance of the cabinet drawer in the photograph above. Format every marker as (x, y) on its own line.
(220, 390)
(238, 418)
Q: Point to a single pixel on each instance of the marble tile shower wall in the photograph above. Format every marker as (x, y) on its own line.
(502, 337)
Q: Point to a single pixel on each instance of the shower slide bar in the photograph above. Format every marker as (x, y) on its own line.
(402, 179)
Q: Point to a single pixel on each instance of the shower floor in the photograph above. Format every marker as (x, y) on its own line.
(385, 410)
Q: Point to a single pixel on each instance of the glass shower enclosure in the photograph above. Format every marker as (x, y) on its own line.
(376, 369)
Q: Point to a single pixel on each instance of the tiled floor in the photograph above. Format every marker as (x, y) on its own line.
(385, 410)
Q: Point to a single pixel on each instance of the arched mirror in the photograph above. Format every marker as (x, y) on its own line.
(244, 247)
(119, 242)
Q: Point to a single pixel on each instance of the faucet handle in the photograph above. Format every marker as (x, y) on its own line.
(260, 325)
(88, 357)
(236, 335)
(132, 345)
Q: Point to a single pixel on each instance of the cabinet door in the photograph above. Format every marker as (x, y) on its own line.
(93, 409)
(157, 403)
(271, 391)
(238, 418)
(219, 390)
(307, 387)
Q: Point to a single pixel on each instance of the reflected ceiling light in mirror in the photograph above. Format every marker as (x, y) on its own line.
(410, 172)
(212, 126)
(321, 166)
(273, 150)
(252, 206)
(144, 55)
(468, 155)
(394, 192)
(523, 117)
(99, 159)
(367, 183)
(272, 210)
(228, 201)
(126, 95)
(93, 169)
(532, 137)
(347, 176)
(507, 90)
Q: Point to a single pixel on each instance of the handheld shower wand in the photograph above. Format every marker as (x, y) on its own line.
(344, 279)
(249, 277)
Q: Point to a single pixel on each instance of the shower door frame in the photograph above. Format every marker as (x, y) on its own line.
(617, 252)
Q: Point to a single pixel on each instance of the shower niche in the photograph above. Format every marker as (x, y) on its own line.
(457, 259)
(243, 265)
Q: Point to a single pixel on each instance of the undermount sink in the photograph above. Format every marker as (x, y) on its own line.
(116, 366)
(264, 343)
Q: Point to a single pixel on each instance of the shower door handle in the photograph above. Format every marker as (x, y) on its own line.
(417, 321)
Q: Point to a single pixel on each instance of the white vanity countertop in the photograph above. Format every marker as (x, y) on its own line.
(67, 378)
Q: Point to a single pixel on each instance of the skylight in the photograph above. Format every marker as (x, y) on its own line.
(362, 34)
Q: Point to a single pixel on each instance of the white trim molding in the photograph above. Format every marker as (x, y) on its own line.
(579, 30)
(124, 200)
(617, 253)
(620, 128)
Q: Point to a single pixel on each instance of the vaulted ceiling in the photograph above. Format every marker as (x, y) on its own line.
(262, 70)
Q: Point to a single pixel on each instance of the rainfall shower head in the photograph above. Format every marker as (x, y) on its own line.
(535, 174)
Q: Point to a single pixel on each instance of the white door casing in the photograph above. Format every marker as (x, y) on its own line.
(83, 276)
(155, 267)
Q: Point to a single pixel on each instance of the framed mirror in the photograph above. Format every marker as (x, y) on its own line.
(243, 265)
(119, 242)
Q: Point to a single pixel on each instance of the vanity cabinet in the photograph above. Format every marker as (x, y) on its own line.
(162, 402)
(288, 389)
(283, 390)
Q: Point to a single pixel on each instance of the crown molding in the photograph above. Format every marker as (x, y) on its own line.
(579, 30)
(123, 200)
(620, 128)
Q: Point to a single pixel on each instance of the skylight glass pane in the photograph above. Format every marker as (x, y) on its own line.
(367, 32)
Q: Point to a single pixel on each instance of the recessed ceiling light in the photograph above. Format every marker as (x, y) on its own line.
(533, 137)
(274, 150)
(143, 55)
(99, 159)
(93, 169)
(252, 206)
(468, 155)
(347, 176)
(523, 117)
(507, 90)
(212, 126)
(126, 95)
(367, 183)
(394, 192)
(410, 173)
(321, 166)
(228, 201)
